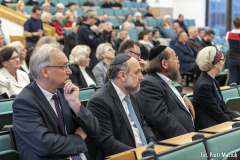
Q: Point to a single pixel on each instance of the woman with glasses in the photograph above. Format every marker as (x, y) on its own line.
(210, 108)
(79, 62)
(143, 38)
(105, 54)
(22, 53)
(12, 80)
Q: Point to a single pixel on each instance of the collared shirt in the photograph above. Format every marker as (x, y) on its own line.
(136, 134)
(87, 78)
(49, 96)
(169, 82)
(32, 25)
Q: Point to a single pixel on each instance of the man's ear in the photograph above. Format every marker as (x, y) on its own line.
(122, 76)
(164, 64)
(44, 71)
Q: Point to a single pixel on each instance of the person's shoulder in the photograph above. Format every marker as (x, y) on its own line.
(22, 73)
(73, 67)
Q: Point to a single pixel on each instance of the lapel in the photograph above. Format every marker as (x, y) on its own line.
(89, 72)
(8, 76)
(38, 93)
(119, 106)
(82, 79)
(170, 92)
(66, 111)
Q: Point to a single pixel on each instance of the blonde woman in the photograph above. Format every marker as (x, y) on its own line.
(20, 8)
(47, 18)
(138, 21)
(79, 62)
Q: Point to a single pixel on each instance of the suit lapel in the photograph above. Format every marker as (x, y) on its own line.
(6, 74)
(90, 74)
(83, 81)
(119, 106)
(46, 104)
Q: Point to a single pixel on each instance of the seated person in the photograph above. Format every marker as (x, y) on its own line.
(48, 1)
(102, 19)
(156, 40)
(22, 53)
(128, 21)
(174, 40)
(46, 40)
(69, 21)
(60, 7)
(20, 8)
(168, 113)
(105, 54)
(207, 40)
(172, 34)
(146, 44)
(46, 7)
(47, 18)
(181, 23)
(208, 101)
(81, 76)
(89, 3)
(138, 21)
(166, 22)
(185, 54)
(72, 37)
(12, 80)
(122, 37)
(149, 12)
(201, 35)
(47, 123)
(58, 24)
(71, 10)
(118, 3)
(192, 40)
(107, 4)
(33, 3)
(28, 56)
(122, 125)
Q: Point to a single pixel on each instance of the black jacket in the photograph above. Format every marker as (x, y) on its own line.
(71, 41)
(106, 5)
(205, 43)
(85, 36)
(88, 4)
(31, 3)
(51, 4)
(117, 44)
(117, 5)
(181, 24)
(209, 109)
(144, 52)
(78, 78)
(166, 114)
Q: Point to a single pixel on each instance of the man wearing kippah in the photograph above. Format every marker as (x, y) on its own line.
(169, 114)
(116, 108)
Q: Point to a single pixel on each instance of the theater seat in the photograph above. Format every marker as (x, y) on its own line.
(6, 113)
(75, 1)
(65, 2)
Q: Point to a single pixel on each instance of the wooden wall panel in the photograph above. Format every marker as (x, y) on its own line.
(18, 38)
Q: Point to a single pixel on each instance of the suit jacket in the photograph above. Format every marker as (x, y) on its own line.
(209, 109)
(71, 41)
(100, 72)
(116, 133)
(8, 83)
(37, 129)
(194, 45)
(186, 57)
(165, 113)
(78, 78)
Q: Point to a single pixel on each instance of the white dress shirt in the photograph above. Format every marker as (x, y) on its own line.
(49, 96)
(136, 134)
(169, 82)
(87, 78)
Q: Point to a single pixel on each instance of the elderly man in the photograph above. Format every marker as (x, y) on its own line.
(49, 1)
(85, 36)
(49, 124)
(115, 106)
(180, 21)
(174, 40)
(172, 35)
(169, 114)
(2, 40)
(207, 40)
(60, 7)
(123, 33)
(46, 7)
(185, 55)
(192, 40)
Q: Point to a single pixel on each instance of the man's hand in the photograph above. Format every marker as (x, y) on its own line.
(81, 133)
(71, 94)
(40, 33)
(107, 28)
(143, 64)
(189, 106)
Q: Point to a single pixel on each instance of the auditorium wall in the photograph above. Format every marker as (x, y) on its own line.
(11, 28)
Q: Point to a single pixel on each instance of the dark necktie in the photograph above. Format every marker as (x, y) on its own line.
(61, 120)
(218, 92)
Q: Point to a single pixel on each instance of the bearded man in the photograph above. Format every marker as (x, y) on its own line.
(116, 108)
(168, 113)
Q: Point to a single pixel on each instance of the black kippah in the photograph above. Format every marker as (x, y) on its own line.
(155, 51)
(120, 59)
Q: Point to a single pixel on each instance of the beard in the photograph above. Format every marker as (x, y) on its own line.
(130, 87)
(174, 74)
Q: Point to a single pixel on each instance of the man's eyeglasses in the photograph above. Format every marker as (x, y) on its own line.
(64, 67)
(13, 58)
(94, 17)
(138, 54)
(176, 58)
(224, 59)
(110, 49)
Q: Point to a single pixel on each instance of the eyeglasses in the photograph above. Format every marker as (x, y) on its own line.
(64, 67)
(138, 54)
(94, 17)
(13, 58)
(224, 59)
(176, 58)
(110, 49)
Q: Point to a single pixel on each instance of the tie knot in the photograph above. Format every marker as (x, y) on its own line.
(126, 98)
(54, 97)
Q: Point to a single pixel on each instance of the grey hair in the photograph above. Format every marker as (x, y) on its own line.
(191, 28)
(41, 57)
(44, 4)
(46, 40)
(58, 15)
(113, 70)
(87, 13)
(60, 6)
(17, 45)
(78, 54)
(100, 49)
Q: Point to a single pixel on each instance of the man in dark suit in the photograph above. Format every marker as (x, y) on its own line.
(115, 106)
(175, 39)
(168, 113)
(181, 23)
(207, 40)
(107, 4)
(48, 124)
(185, 54)
(192, 40)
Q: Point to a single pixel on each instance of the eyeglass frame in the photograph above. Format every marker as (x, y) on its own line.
(94, 18)
(13, 58)
(138, 54)
(224, 60)
(175, 58)
(111, 49)
(65, 66)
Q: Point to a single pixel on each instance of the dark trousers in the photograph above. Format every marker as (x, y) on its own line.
(234, 71)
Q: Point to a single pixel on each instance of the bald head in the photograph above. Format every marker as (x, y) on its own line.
(46, 6)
